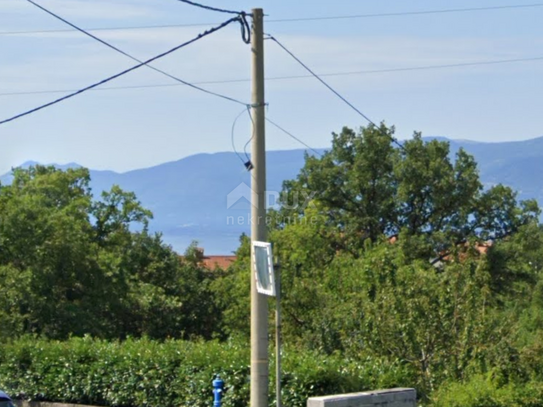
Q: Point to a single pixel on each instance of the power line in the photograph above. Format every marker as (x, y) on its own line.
(233, 137)
(135, 27)
(220, 10)
(321, 80)
(245, 28)
(287, 20)
(353, 107)
(199, 37)
(292, 136)
(132, 57)
(423, 67)
(278, 78)
(406, 13)
(253, 127)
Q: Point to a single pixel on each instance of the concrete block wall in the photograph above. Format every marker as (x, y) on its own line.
(379, 398)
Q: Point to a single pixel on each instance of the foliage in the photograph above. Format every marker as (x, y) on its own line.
(398, 269)
(171, 373)
(74, 266)
(436, 322)
(481, 391)
(231, 292)
(364, 188)
(402, 255)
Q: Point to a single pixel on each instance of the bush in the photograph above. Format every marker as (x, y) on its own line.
(144, 372)
(483, 391)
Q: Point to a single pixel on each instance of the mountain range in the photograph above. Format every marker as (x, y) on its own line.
(205, 197)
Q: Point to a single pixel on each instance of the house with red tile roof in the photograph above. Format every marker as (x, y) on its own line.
(218, 262)
(214, 262)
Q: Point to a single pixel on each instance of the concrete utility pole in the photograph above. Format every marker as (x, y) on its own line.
(259, 302)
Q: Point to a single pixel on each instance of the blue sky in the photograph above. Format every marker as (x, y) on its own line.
(134, 128)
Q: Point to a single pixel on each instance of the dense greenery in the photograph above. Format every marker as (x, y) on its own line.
(72, 266)
(401, 254)
(172, 373)
(399, 268)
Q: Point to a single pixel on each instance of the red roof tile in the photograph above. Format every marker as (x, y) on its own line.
(215, 262)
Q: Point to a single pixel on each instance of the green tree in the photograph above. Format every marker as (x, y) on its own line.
(73, 266)
(232, 290)
(354, 184)
(380, 257)
(365, 188)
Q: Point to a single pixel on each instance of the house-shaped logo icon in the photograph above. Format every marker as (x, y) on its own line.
(242, 193)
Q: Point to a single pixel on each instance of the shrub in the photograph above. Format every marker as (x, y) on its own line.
(145, 372)
(484, 391)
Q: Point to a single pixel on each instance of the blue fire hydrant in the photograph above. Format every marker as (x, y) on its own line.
(218, 389)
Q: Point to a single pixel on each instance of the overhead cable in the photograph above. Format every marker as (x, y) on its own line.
(253, 127)
(286, 20)
(335, 92)
(293, 136)
(277, 78)
(245, 163)
(199, 37)
(175, 78)
(220, 10)
(405, 13)
(128, 28)
(245, 28)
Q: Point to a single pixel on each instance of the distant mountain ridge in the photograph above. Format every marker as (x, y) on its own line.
(189, 197)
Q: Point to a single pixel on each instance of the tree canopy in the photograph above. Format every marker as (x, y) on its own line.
(395, 258)
(364, 188)
(72, 265)
(403, 254)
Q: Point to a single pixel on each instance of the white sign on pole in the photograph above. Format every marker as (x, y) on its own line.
(263, 268)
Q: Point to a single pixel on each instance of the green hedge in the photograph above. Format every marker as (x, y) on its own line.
(482, 391)
(173, 373)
